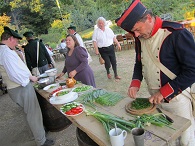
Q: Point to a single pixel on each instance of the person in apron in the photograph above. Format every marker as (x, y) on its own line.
(18, 79)
(171, 45)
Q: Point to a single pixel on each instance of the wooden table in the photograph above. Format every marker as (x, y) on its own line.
(154, 135)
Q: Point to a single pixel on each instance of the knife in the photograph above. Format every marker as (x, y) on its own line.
(167, 117)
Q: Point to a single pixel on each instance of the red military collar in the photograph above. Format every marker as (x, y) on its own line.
(157, 25)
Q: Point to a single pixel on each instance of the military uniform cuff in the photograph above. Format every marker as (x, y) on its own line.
(166, 91)
(135, 83)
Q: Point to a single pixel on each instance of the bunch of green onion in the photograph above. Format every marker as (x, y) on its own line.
(155, 119)
(109, 121)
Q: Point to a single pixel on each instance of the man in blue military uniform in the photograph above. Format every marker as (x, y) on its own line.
(173, 47)
(44, 61)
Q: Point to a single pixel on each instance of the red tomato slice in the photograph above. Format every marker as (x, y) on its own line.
(74, 110)
(56, 90)
(80, 110)
(78, 107)
(69, 112)
(77, 110)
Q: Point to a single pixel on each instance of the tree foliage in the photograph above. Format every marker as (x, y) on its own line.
(176, 8)
(4, 20)
(44, 16)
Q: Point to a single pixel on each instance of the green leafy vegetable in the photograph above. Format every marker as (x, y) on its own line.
(82, 88)
(109, 99)
(140, 103)
(62, 93)
(52, 87)
(102, 97)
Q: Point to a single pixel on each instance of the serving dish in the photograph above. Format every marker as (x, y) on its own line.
(44, 75)
(72, 109)
(51, 87)
(43, 82)
(62, 93)
(51, 72)
(71, 96)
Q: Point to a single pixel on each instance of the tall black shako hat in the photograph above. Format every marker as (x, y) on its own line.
(131, 15)
(12, 32)
(72, 27)
(28, 34)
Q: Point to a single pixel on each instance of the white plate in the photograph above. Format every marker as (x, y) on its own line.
(49, 89)
(74, 114)
(63, 96)
(65, 99)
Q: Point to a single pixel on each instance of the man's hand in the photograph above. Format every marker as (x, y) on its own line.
(132, 92)
(156, 98)
(97, 52)
(33, 78)
(119, 47)
(50, 65)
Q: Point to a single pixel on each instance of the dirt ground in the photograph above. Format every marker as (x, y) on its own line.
(14, 130)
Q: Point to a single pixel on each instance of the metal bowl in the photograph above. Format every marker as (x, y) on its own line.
(44, 75)
(51, 72)
(46, 81)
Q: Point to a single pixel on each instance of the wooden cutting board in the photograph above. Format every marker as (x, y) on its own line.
(147, 110)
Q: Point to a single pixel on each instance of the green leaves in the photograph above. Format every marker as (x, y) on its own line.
(102, 97)
(140, 103)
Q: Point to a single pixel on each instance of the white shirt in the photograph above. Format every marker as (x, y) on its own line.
(80, 40)
(63, 45)
(81, 43)
(13, 67)
(103, 38)
(49, 51)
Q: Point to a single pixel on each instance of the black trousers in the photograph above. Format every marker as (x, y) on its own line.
(108, 54)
